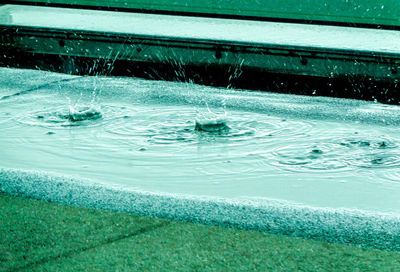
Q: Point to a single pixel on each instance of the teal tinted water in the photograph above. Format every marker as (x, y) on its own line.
(321, 152)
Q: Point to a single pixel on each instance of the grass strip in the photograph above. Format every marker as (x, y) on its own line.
(41, 236)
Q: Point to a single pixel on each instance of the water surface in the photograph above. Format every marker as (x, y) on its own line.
(321, 152)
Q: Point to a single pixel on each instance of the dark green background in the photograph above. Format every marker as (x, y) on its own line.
(384, 12)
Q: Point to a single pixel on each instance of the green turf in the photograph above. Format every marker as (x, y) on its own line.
(40, 236)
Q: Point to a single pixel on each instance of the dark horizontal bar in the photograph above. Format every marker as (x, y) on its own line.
(363, 88)
(121, 38)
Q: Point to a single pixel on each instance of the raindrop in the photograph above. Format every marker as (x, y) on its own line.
(383, 145)
(317, 151)
(213, 126)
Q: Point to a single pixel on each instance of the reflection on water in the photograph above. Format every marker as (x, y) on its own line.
(184, 138)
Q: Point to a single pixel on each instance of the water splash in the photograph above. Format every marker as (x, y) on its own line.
(277, 146)
(212, 122)
(82, 113)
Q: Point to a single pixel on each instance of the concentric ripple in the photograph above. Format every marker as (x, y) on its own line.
(62, 116)
(303, 157)
(181, 138)
(338, 154)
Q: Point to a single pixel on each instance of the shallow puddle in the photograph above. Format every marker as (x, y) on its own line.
(187, 139)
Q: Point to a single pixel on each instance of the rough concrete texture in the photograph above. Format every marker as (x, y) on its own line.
(380, 231)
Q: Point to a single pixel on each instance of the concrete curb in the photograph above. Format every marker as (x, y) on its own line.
(381, 231)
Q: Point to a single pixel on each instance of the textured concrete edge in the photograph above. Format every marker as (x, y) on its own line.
(380, 231)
